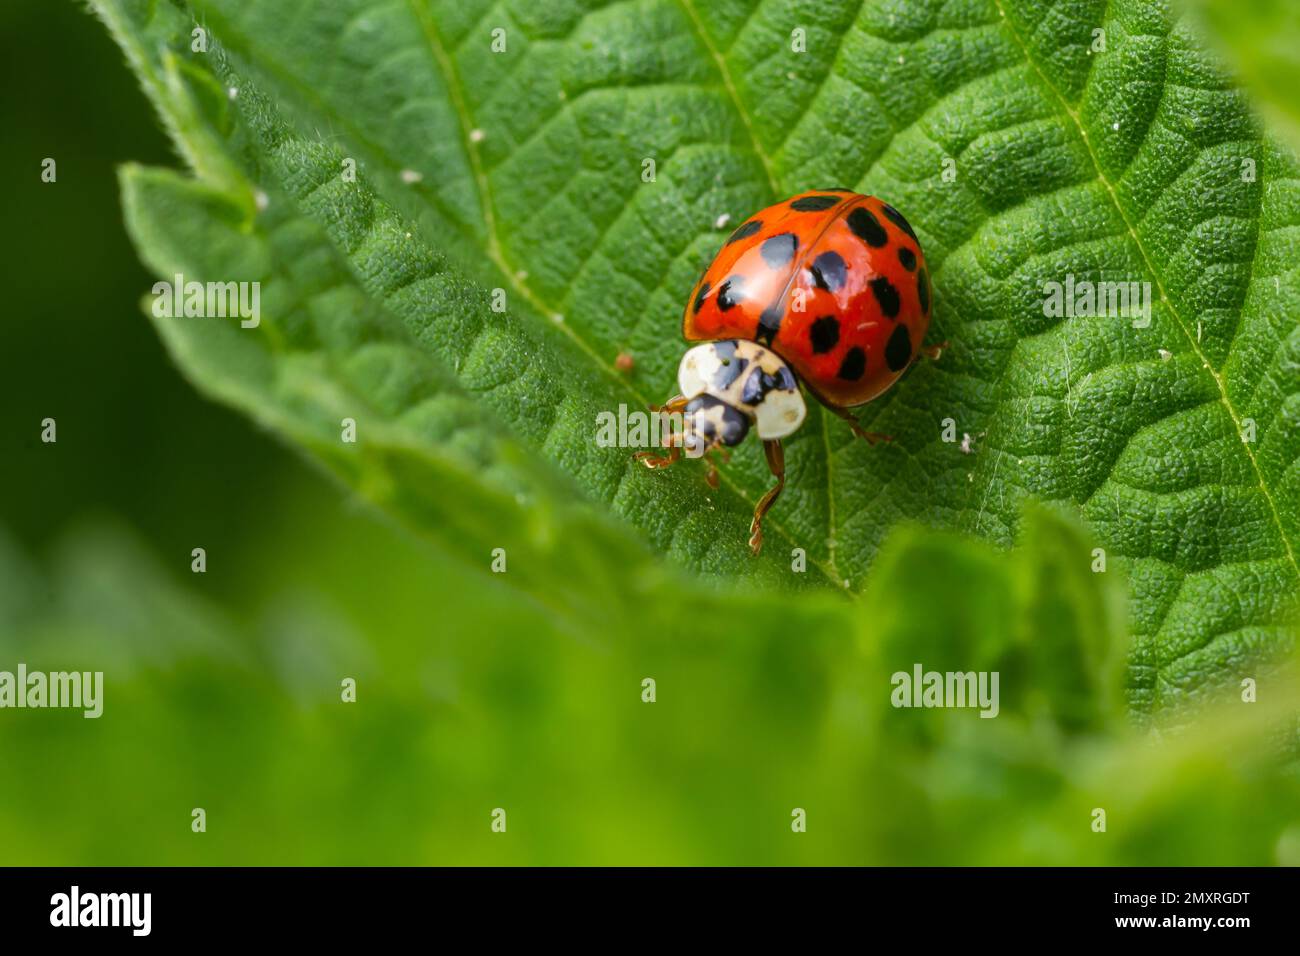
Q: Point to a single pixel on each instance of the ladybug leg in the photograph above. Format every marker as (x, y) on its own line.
(776, 462)
(653, 461)
(675, 404)
(673, 441)
(711, 474)
(932, 352)
(870, 437)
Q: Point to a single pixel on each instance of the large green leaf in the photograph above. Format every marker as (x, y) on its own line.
(1087, 139)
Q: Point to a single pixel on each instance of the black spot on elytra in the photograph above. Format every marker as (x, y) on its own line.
(814, 203)
(898, 350)
(923, 291)
(867, 227)
(886, 295)
(745, 231)
(769, 323)
(700, 296)
(907, 257)
(897, 219)
(854, 364)
(731, 292)
(828, 271)
(728, 372)
(825, 334)
(779, 250)
(760, 383)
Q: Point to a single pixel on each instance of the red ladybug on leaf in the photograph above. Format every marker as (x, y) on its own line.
(828, 288)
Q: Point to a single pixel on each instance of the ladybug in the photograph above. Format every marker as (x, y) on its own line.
(829, 289)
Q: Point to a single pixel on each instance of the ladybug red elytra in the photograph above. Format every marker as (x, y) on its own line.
(828, 288)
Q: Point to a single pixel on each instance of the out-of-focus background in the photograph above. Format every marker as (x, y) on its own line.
(224, 687)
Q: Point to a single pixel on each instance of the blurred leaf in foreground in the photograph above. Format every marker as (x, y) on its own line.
(487, 699)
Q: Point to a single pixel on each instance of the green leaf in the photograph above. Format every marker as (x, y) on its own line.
(1090, 140)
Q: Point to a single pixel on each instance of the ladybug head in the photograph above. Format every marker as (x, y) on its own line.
(734, 385)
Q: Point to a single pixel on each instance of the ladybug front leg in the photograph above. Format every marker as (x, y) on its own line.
(870, 437)
(653, 461)
(776, 462)
(674, 405)
(672, 441)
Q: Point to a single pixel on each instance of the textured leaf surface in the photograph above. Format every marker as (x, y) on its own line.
(521, 170)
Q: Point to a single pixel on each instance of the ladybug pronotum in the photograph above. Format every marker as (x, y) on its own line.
(829, 289)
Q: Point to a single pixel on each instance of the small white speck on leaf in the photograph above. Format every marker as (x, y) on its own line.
(1165, 354)
(556, 317)
(476, 135)
(261, 200)
(721, 221)
(411, 176)
(233, 92)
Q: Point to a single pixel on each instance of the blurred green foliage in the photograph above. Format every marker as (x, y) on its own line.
(524, 690)
(471, 697)
(1261, 40)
